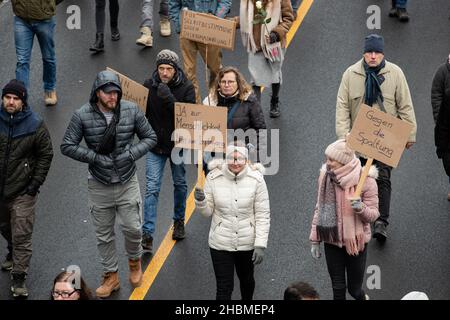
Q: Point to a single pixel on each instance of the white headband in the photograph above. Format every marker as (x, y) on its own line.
(241, 150)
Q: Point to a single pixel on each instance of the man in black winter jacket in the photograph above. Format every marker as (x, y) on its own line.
(25, 156)
(167, 86)
(108, 125)
(440, 102)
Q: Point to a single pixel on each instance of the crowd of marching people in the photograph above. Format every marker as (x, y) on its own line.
(235, 196)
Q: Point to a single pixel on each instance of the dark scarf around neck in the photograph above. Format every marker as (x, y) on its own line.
(373, 83)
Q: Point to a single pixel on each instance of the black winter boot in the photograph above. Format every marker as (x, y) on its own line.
(402, 15)
(393, 12)
(98, 45)
(147, 243)
(178, 230)
(274, 108)
(115, 34)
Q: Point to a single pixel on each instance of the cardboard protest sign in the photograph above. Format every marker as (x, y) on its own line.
(196, 122)
(132, 90)
(379, 135)
(208, 29)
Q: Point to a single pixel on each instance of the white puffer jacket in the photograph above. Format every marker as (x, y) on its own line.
(239, 206)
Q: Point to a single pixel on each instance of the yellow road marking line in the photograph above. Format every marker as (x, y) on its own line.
(163, 252)
(301, 14)
(167, 244)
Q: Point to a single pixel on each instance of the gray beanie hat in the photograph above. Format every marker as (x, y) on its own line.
(339, 151)
(169, 57)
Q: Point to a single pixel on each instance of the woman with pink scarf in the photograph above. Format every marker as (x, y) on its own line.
(343, 224)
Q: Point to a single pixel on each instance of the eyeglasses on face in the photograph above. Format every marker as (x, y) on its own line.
(63, 294)
(238, 160)
(227, 82)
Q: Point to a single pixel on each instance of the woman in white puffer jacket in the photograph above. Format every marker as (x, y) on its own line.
(236, 197)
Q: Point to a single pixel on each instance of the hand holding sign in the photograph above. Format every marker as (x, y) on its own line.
(379, 136)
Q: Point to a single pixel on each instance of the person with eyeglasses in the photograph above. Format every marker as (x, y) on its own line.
(236, 197)
(232, 91)
(64, 288)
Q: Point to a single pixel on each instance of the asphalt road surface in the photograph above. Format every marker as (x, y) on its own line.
(417, 253)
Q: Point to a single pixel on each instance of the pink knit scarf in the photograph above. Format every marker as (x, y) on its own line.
(353, 231)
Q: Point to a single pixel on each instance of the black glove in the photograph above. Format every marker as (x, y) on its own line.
(274, 37)
(31, 190)
(164, 92)
(199, 194)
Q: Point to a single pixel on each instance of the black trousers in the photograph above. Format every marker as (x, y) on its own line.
(384, 188)
(100, 14)
(224, 263)
(339, 262)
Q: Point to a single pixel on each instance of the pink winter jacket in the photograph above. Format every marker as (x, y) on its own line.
(369, 196)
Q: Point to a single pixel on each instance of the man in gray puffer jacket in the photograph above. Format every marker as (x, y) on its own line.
(108, 125)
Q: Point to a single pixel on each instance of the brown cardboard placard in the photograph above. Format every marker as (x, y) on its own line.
(195, 122)
(379, 135)
(132, 90)
(208, 29)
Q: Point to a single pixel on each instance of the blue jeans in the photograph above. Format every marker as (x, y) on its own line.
(24, 33)
(401, 3)
(154, 173)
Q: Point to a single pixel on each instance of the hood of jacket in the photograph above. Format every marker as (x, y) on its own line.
(105, 77)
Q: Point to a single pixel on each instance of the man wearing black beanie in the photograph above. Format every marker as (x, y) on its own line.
(380, 84)
(25, 156)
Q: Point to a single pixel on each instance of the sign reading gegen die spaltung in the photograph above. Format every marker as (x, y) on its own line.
(208, 29)
(379, 135)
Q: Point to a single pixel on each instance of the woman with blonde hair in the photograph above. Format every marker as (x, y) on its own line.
(231, 90)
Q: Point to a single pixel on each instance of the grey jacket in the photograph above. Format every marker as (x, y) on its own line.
(89, 123)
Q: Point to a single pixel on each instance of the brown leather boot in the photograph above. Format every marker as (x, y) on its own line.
(109, 284)
(135, 272)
